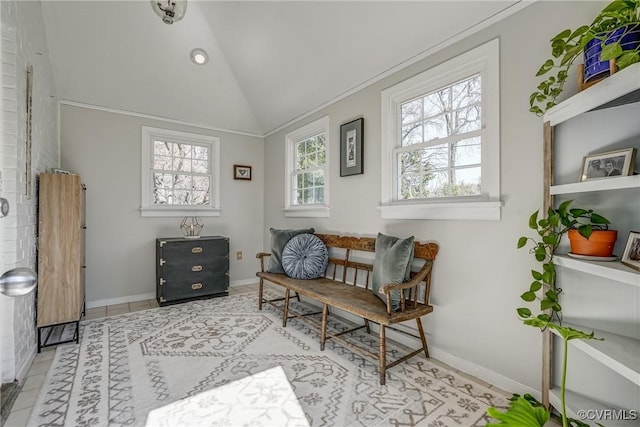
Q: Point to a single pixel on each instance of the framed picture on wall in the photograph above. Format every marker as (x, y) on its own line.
(351, 144)
(242, 172)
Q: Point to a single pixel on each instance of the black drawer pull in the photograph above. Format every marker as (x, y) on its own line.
(196, 286)
(196, 250)
(196, 268)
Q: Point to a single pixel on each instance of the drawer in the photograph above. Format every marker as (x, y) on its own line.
(193, 287)
(182, 268)
(194, 249)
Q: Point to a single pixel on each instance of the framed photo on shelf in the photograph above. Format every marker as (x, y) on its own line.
(631, 254)
(351, 144)
(609, 164)
(242, 172)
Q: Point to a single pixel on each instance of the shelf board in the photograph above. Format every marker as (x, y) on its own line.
(613, 270)
(621, 88)
(577, 402)
(616, 352)
(618, 183)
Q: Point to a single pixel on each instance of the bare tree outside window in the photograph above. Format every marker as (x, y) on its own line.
(181, 173)
(440, 152)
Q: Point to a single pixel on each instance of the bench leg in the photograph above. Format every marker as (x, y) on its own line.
(422, 337)
(323, 328)
(285, 309)
(366, 326)
(383, 356)
(260, 292)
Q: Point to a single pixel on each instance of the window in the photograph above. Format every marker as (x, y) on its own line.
(179, 173)
(307, 186)
(440, 145)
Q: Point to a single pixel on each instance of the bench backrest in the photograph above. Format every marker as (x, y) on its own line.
(345, 265)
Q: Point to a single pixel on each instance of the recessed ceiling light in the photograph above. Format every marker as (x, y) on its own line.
(199, 56)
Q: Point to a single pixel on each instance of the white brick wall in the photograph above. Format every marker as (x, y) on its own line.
(23, 44)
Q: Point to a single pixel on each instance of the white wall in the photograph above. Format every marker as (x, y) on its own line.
(23, 44)
(104, 148)
(479, 274)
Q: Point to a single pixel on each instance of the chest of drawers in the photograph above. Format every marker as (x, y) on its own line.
(189, 269)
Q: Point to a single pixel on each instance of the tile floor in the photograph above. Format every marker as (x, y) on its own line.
(21, 410)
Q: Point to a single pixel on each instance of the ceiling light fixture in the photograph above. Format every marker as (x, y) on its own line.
(199, 56)
(169, 10)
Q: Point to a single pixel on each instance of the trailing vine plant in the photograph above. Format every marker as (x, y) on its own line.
(526, 411)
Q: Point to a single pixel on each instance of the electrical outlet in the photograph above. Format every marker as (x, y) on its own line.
(239, 255)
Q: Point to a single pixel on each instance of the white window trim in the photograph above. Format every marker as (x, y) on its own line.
(147, 209)
(307, 131)
(485, 60)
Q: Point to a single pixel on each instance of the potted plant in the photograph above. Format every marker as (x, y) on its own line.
(588, 232)
(526, 411)
(613, 34)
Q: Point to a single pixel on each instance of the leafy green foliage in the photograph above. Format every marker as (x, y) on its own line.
(568, 45)
(524, 411)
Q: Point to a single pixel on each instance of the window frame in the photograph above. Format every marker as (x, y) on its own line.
(291, 139)
(147, 208)
(483, 60)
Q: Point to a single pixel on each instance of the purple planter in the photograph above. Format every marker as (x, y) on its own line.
(594, 68)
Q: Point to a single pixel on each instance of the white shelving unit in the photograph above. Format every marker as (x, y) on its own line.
(618, 354)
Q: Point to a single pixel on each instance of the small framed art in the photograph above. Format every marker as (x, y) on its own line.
(631, 254)
(242, 172)
(351, 145)
(609, 164)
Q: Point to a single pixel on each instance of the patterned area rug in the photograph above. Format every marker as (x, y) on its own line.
(129, 365)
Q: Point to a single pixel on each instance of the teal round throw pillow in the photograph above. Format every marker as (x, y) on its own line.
(305, 256)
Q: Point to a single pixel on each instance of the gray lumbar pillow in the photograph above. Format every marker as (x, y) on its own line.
(392, 264)
(279, 239)
(305, 256)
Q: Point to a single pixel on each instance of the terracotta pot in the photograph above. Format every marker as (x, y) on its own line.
(599, 244)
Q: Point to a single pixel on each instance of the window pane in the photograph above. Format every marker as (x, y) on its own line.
(200, 153)
(467, 120)
(312, 160)
(161, 196)
(466, 182)
(181, 164)
(437, 185)
(412, 134)
(201, 183)
(318, 178)
(319, 195)
(162, 163)
(182, 181)
(411, 112)
(413, 186)
(467, 152)
(181, 197)
(200, 166)
(436, 127)
(162, 180)
(161, 148)
(467, 92)
(436, 157)
(200, 197)
(437, 103)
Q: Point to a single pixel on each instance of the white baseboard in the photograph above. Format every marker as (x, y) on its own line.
(506, 384)
(21, 373)
(120, 300)
(253, 281)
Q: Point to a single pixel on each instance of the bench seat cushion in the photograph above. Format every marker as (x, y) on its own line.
(352, 299)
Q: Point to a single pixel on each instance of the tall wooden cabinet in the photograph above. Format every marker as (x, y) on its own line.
(61, 254)
(600, 296)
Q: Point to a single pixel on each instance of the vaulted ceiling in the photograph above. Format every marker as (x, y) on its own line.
(269, 61)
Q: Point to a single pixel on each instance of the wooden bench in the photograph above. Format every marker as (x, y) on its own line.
(346, 286)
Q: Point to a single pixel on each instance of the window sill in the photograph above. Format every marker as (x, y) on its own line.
(307, 212)
(489, 211)
(157, 212)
